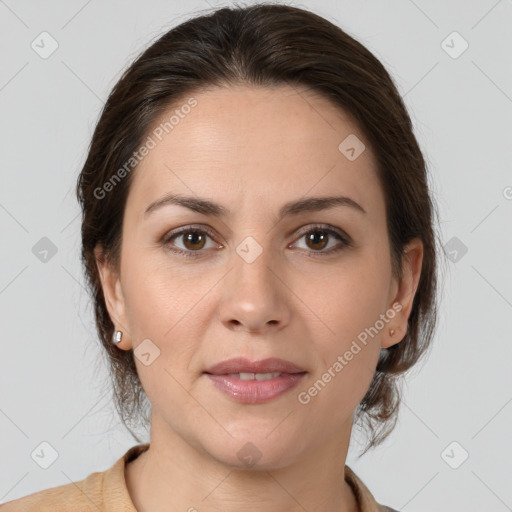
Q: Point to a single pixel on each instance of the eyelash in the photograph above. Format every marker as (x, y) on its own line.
(342, 237)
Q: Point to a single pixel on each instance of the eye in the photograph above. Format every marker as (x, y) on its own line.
(318, 237)
(194, 240)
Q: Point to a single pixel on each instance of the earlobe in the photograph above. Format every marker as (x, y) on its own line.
(112, 290)
(405, 291)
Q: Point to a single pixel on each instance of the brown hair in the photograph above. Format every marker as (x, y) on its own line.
(263, 45)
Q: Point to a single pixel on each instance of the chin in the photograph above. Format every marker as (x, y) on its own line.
(260, 451)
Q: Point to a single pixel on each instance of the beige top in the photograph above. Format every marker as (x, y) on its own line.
(106, 491)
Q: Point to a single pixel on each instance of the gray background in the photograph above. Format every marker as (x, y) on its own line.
(53, 382)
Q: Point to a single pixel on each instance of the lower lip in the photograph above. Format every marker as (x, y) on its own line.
(255, 391)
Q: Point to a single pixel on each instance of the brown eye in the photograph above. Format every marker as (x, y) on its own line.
(193, 240)
(189, 241)
(317, 240)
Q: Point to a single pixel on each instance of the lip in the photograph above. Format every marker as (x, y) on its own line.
(241, 364)
(255, 391)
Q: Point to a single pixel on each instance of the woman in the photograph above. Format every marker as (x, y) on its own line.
(258, 237)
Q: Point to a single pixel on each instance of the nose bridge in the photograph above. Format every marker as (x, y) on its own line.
(253, 297)
(251, 274)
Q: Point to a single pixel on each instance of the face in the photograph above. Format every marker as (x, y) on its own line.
(199, 285)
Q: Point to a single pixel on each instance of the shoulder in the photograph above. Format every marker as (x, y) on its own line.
(365, 499)
(64, 497)
(99, 491)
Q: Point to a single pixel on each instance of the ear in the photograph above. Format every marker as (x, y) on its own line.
(404, 291)
(114, 298)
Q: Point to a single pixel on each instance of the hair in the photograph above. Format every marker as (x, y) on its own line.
(263, 45)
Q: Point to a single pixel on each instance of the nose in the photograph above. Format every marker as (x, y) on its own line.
(255, 297)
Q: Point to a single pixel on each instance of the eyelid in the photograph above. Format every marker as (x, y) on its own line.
(344, 238)
(326, 227)
(185, 229)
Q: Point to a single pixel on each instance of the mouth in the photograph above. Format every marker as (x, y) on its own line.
(255, 382)
(241, 365)
(254, 376)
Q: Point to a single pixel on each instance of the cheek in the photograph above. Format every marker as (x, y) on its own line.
(163, 305)
(156, 294)
(349, 354)
(346, 301)
(161, 308)
(152, 307)
(334, 392)
(348, 304)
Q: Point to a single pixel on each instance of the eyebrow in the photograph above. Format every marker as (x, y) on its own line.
(207, 207)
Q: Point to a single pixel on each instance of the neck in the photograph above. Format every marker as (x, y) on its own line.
(173, 475)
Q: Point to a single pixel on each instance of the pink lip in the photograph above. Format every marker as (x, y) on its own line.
(255, 391)
(241, 364)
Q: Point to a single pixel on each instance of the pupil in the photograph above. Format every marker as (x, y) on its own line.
(191, 238)
(313, 237)
(317, 237)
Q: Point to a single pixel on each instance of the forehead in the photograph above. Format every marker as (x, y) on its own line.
(256, 146)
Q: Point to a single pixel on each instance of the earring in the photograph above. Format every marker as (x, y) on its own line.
(391, 332)
(116, 338)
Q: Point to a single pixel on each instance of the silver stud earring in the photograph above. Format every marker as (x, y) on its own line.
(391, 332)
(116, 338)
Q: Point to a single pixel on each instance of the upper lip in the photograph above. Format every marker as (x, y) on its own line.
(241, 364)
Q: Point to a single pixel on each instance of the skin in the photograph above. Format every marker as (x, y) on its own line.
(252, 150)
